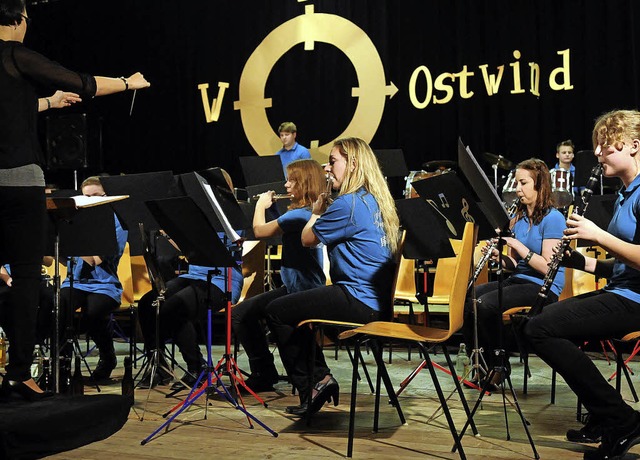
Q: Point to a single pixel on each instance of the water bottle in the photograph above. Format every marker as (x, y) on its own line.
(36, 365)
(462, 361)
(127, 380)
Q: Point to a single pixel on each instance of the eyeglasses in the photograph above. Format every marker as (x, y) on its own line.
(26, 18)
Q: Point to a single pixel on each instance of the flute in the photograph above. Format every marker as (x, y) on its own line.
(328, 197)
(282, 196)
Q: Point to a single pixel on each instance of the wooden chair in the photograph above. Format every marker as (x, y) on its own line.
(423, 337)
(318, 327)
(127, 309)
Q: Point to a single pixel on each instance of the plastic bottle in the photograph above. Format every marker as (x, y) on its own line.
(36, 365)
(127, 380)
(462, 362)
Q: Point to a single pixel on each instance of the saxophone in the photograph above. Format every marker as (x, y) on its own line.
(556, 260)
(511, 210)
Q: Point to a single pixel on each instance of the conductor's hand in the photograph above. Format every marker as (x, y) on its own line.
(61, 99)
(137, 81)
(573, 259)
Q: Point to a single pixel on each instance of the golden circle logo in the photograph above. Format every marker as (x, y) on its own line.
(309, 28)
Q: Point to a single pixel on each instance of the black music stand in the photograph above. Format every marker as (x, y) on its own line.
(262, 169)
(140, 188)
(427, 238)
(499, 219)
(191, 229)
(79, 226)
(394, 168)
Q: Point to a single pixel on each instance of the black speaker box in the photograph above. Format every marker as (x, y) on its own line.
(66, 140)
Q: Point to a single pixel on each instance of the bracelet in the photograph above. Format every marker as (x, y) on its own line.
(528, 257)
(48, 103)
(126, 83)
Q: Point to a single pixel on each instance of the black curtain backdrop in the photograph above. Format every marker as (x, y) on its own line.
(179, 45)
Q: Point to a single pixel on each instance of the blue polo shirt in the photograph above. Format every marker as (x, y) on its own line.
(551, 227)
(360, 257)
(297, 152)
(625, 280)
(300, 268)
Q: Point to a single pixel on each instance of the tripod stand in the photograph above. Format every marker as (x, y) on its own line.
(189, 227)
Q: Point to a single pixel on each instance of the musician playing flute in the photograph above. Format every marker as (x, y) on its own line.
(536, 229)
(608, 313)
(360, 229)
(300, 268)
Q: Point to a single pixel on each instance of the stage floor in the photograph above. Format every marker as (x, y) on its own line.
(225, 432)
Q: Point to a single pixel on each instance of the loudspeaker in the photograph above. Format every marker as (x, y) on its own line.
(66, 139)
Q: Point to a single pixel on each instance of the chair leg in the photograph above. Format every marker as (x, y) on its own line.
(456, 381)
(443, 403)
(354, 362)
(352, 407)
(382, 370)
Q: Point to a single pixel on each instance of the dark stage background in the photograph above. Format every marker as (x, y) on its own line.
(179, 45)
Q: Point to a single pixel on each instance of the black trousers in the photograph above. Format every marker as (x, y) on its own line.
(515, 293)
(284, 314)
(182, 313)
(94, 319)
(246, 318)
(555, 334)
(22, 224)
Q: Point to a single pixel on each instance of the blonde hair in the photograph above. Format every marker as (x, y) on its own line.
(613, 127)
(310, 182)
(363, 170)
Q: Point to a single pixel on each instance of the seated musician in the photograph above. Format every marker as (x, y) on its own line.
(300, 269)
(536, 229)
(183, 314)
(97, 290)
(360, 229)
(607, 313)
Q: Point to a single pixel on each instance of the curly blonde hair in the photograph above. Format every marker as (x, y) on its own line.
(366, 173)
(612, 128)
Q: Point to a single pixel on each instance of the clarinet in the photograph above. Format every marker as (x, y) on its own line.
(487, 255)
(556, 260)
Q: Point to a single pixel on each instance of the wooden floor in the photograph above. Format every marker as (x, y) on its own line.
(225, 432)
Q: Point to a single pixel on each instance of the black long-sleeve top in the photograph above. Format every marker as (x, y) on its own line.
(21, 70)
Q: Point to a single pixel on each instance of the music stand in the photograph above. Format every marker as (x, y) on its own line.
(190, 228)
(499, 219)
(427, 237)
(74, 233)
(454, 203)
(139, 188)
(262, 169)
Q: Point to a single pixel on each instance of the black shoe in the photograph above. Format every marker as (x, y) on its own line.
(159, 378)
(10, 387)
(104, 368)
(590, 433)
(259, 382)
(325, 393)
(299, 411)
(188, 380)
(617, 441)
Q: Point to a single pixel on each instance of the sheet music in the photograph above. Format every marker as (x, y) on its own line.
(81, 201)
(228, 230)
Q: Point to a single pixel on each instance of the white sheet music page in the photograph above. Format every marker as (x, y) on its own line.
(228, 229)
